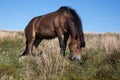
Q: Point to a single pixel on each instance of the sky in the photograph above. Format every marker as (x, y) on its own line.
(96, 15)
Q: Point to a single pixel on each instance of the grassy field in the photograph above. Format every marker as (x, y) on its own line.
(100, 61)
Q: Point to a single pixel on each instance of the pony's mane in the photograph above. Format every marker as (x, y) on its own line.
(77, 21)
(74, 15)
(64, 7)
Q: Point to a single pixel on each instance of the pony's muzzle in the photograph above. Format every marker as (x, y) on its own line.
(75, 58)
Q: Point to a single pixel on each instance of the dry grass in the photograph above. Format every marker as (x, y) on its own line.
(47, 64)
(4, 35)
(105, 42)
(101, 59)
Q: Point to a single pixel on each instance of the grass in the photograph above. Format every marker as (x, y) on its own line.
(100, 61)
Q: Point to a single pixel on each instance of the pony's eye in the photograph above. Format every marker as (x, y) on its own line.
(78, 47)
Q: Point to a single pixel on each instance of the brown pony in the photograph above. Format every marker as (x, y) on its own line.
(62, 23)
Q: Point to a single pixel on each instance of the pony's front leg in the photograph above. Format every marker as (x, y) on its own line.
(66, 36)
(61, 41)
(62, 45)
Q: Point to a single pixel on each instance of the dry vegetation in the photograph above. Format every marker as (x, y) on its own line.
(101, 59)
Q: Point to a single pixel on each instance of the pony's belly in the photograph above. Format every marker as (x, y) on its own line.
(46, 35)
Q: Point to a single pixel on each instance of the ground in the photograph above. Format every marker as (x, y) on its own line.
(100, 61)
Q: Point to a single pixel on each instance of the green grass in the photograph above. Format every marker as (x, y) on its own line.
(100, 61)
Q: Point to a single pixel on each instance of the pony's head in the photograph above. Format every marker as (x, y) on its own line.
(75, 50)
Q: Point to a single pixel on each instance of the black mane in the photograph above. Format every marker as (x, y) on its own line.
(77, 21)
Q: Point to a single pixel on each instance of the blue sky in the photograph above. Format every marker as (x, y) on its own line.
(96, 15)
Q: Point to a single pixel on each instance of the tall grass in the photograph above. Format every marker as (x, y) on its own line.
(48, 64)
(12, 35)
(101, 59)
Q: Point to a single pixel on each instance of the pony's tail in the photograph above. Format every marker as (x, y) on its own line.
(78, 23)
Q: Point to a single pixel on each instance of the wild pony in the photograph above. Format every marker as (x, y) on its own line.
(62, 23)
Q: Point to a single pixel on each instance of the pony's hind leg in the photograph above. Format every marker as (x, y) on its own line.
(30, 46)
(36, 43)
(25, 51)
(29, 42)
(28, 49)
